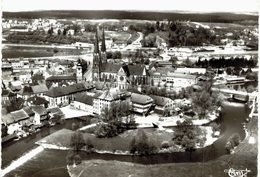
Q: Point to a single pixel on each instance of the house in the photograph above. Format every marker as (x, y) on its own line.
(41, 116)
(25, 92)
(118, 45)
(37, 101)
(38, 79)
(39, 90)
(83, 102)
(58, 96)
(15, 85)
(12, 125)
(106, 98)
(163, 104)
(31, 115)
(16, 120)
(55, 111)
(191, 70)
(8, 95)
(142, 104)
(61, 80)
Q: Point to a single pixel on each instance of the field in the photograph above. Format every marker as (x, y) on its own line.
(110, 14)
(28, 52)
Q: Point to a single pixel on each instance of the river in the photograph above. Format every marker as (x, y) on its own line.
(53, 162)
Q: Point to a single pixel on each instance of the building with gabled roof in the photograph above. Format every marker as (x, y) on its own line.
(36, 100)
(41, 114)
(61, 80)
(83, 102)
(25, 92)
(58, 96)
(39, 90)
(106, 98)
(163, 104)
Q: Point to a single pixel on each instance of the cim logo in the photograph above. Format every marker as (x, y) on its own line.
(237, 173)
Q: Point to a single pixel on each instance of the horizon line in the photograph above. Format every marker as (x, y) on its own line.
(134, 10)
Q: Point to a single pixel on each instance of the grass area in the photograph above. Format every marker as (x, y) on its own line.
(38, 52)
(100, 168)
(120, 142)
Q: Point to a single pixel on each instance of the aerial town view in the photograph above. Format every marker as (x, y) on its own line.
(88, 92)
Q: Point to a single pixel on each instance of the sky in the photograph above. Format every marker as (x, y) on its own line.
(158, 5)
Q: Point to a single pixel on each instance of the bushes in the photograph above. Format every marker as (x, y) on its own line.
(141, 145)
(232, 142)
(107, 130)
(165, 145)
(73, 158)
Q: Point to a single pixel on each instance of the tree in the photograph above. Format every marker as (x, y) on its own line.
(77, 141)
(141, 145)
(59, 32)
(50, 31)
(89, 145)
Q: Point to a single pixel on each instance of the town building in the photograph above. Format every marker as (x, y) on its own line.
(141, 104)
(164, 105)
(62, 80)
(109, 97)
(41, 115)
(84, 102)
(62, 95)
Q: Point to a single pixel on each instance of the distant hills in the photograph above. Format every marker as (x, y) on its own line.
(139, 15)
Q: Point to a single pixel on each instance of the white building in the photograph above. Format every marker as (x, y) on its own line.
(83, 102)
(108, 97)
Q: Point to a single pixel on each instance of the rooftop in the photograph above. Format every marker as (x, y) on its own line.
(39, 110)
(84, 98)
(19, 115)
(141, 99)
(42, 88)
(53, 78)
(159, 100)
(62, 91)
(35, 100)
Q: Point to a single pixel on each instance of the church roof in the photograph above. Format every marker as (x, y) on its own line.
(110, 67)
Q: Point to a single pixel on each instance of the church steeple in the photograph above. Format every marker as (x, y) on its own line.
(96, 59)
(103, 44)
(96, 49)
(103, 48)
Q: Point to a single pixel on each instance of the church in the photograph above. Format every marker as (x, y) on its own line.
(121, 76)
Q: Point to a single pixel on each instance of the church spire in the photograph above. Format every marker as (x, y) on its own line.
(96, 49)
(103, 45)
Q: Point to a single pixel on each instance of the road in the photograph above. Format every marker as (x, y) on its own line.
(39, 46)
(137, 41)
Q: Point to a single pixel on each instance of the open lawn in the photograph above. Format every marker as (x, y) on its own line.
(101, 168)
(122, 142)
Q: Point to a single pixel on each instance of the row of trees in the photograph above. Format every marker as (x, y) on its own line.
(224, 62)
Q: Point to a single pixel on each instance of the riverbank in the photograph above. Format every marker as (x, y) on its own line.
(60, 140)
